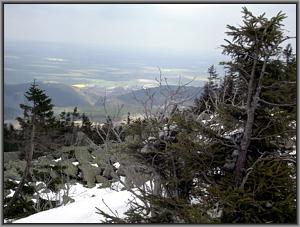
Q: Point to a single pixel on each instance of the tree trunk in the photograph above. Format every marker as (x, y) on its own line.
(252, 101)
(240, 164)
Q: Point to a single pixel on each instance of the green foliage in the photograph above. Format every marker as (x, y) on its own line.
(209, 95)
(199, 164)
(268, 196)
(20, 209)
(39, 106)
(11, 138)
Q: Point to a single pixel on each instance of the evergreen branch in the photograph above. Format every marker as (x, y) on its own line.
(269, 136)
(280, 83)
(249, 170)
(110, 209)
(276, 104)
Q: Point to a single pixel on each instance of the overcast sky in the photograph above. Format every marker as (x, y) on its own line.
(183, 27)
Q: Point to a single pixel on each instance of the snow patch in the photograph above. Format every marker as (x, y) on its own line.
(116, 165)
(57, 160)
(75, 163)
(12, 192)
(83, 210)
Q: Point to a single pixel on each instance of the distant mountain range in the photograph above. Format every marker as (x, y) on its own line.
(67, 96)
(61, 95)
(162, 94)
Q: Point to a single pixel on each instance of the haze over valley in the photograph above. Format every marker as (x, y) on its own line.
(149, 113)
(74, 75)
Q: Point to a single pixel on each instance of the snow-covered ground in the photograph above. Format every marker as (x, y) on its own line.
(83, 210)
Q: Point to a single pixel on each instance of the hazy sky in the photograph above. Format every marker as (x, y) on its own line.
(187, 28)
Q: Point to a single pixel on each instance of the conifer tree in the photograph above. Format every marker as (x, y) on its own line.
(37, 117)
(212, 78)
(254, 44)
(206, 102)
(241, 173)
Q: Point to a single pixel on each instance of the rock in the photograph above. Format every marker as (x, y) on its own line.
(101, 160)
(69, 169)
(82, 139)
(121, 171)
(89, 173)
(105, 185)
(108, 172)
(203, 116)
(18, 165)
(82, 155)
(11, 156)
(45, 161)
(67, 151)
(128, 183)
(13, 174)
(97, 151)
(40, 186)
(53, 174)
(14, 169)
(6, 193)
(67, 199)
(101, 179)
(148, 148)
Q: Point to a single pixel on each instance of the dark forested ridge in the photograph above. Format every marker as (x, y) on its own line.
(227, 157)
(67, 96)
(62, 96)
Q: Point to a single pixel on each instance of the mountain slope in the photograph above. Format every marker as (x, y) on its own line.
(61, 95)
(83, 209)
(160, 94)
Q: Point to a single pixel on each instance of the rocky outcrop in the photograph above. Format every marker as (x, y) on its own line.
(14, 169)
(89, 173)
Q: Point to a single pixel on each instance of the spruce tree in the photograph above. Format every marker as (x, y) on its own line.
(236, 164)
(39, 110)
(207, 100)
(254, 44)
(37, 118)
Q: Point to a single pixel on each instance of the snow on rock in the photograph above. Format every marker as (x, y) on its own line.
(11, 193)
(229, 134)
(57, 160)
(116, 165)
(75, 163)
(83, 210)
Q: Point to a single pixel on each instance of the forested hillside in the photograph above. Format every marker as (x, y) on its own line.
(62, 96)
(229, 157)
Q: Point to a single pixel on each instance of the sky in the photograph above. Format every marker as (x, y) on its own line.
(184, 28)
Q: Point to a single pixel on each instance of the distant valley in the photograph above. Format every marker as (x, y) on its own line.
(91, 99)
(82, 76)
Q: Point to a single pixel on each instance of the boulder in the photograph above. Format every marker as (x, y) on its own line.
(101, 160)
(69, 169)
(101, 179)
(148, 148)
(82, 155)
(17, 164)
(45, 161)
(14, 169)
(108, 172)
(67, 199)
(89, 173)
(13, 174)
(11, 156)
